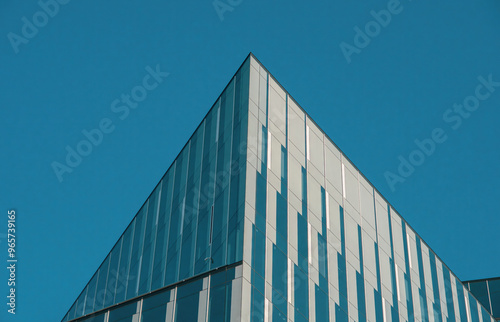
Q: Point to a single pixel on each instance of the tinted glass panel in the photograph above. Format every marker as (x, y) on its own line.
(185, 310)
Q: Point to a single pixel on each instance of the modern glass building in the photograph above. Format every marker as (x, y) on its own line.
(262, 218)
(487, 292)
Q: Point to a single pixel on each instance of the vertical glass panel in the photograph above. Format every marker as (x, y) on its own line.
(485, 315)
(480, 291)
(123, 313)
(473, 308)
(235, 237)
(156, 300)
(149, 238)
(207, 192)
(280, 271)
(185, 310)
(220, 303)
(237, 177)
(174, 242)
(257, 307)
(226, 111)
(101, 285)
(494, 286)
(322, 256)
(180, 179)
(461, 301)
(192, 208)
(219, 229)
(71, 313)
(80, 304)
(190, 288)
(301, 289)
(302, 240)
(449, 294)
(159, 313)
(322, 312)
(196, 153)
(135, 259)
(91, 290)
(159, 260)
(210, 140)
(113, 274)
(261, 198)
(258, 251)
(123, 277)
(187, 253)
(241, 92)
(281, 222)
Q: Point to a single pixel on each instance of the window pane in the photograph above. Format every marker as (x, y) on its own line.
(157, 314)
(91, 290)
(156, 300)
(101, 285)
(126, 311)
(149, 237)
(136, 253)
(186, 311)
(220, 303)
(112, 275)
(123, 272)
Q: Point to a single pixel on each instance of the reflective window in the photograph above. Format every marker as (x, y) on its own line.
(123, 313)
(161, 298)
(91, 290)
(280, 270)
(480, 291)
(257, 307)
(473, 308)
(494, 286)
(322, 312)
(112, 275)
(185, 310)
(123, 278)
(220, 303)
(149, 237)
(174, 242)
(101, 285)
(301, 289)
(159, 313)
(135, 259)
(258, 251)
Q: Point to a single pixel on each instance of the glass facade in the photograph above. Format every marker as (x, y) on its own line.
(260, 188)
(192, 223)
(487, 292)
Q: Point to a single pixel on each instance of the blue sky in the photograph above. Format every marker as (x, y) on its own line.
(374, 81)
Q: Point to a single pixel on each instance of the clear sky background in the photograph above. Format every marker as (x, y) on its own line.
(395, 90)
